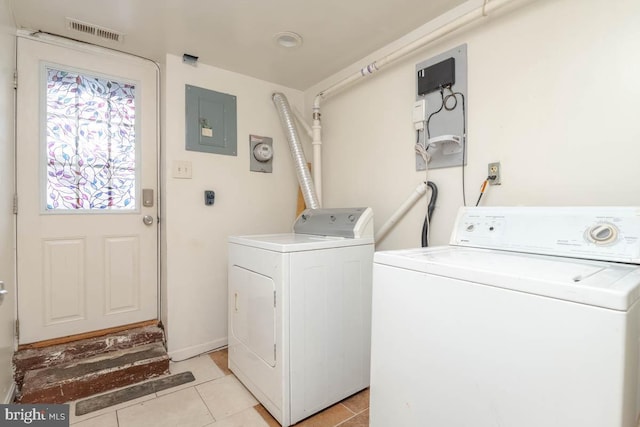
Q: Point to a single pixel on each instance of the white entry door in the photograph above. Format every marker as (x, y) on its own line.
(87, 244)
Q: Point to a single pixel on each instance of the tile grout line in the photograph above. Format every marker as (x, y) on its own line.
(235, 413)
(215, 420)
(155, 396)
(355, 414)
(348, 409)
(344, 421)
(347, 419)
(81, 419)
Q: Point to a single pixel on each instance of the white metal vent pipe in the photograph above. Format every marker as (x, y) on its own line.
(420, 191)
(300, 162)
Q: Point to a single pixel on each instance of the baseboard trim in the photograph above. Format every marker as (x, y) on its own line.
(11, 394)
(186, 353)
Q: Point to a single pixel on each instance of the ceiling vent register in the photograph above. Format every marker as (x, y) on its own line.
(94, 30)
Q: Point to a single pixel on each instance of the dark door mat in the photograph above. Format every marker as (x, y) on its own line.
(135, 391)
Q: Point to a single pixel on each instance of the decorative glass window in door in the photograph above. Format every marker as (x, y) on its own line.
(90, 143)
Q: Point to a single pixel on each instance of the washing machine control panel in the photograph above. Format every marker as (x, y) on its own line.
(602, 233)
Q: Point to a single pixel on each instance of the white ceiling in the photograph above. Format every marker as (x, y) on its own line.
(237, 35)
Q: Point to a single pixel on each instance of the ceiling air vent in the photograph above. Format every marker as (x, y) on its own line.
(94, 30)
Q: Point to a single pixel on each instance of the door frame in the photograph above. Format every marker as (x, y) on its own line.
(8, 386)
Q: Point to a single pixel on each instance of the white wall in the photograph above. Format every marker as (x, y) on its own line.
(554, 95)
(7, 258)
(195, 235)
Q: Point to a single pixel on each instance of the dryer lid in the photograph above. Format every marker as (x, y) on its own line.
(603, 284)
(291, 242)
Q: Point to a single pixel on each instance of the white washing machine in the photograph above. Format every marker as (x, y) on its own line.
(300, 312)
(529, 318)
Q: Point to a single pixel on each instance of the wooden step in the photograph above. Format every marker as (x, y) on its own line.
(46, 357)
(100, 373)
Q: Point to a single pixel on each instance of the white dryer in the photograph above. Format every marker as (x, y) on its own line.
(300, 312)
(529, 318)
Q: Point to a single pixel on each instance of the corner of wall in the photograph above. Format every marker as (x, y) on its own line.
(195, 235)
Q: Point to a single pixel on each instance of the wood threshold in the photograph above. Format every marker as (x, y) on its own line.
(86, 335)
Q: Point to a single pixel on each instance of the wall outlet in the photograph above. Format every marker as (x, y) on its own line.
(494, 171)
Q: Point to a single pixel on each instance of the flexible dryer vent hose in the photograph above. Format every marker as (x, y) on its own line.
(300, 162)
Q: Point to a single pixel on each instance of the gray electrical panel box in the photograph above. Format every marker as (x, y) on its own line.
(442, 82)
(210, 121)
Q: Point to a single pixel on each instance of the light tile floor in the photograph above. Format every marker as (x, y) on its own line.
(216, 398)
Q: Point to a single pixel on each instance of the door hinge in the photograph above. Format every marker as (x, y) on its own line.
(17, 329)
(15, 79)
(15, 203)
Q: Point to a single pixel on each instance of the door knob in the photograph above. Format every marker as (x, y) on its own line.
(147, 219)
(3, 292)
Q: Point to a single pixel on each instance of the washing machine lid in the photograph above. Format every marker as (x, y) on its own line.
(603, 284)
(294, 242)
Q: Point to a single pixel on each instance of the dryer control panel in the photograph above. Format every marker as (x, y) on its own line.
(340, 222)
(601, 233)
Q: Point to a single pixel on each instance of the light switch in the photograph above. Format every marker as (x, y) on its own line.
(182, 169)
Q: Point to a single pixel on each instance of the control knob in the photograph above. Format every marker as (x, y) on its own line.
(602, 233)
